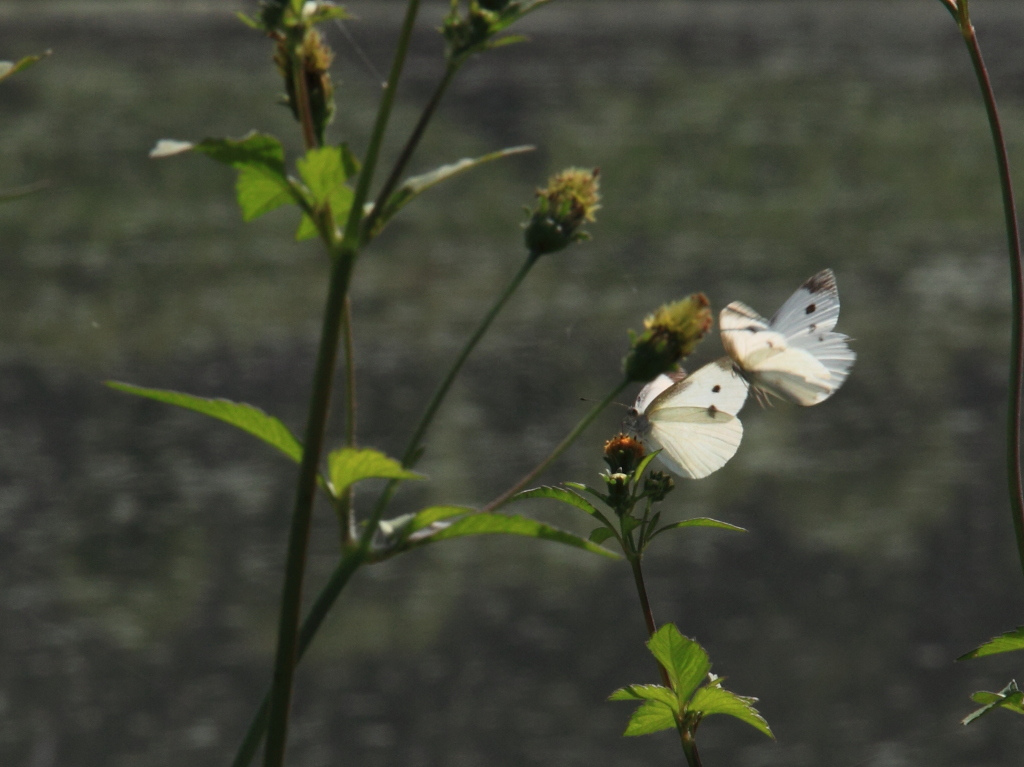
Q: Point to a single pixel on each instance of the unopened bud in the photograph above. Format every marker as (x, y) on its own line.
(557, 218)
(670, 334)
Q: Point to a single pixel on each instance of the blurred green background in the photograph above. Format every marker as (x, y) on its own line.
(743, 146)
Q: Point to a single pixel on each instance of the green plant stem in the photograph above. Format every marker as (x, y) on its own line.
(1013, 447)
(690, 748)
(571, 437)
(415, 441)
(323, 380)
(407, 151)
(317, 613)
(645, 608)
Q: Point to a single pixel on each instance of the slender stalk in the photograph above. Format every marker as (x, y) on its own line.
(441, 392)
(1013, 441)
(258, 726)
(298, 537)
(344, 506)
(407, 151)
(323, 380)
(504, 498)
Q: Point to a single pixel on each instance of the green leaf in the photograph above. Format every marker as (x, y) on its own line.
(433, 514)
(245, 417)
(644, 463)
(260, 191)
(325, 171)
(1010, 698)
(8, 68)
(712, 699)
(647, 692)
(488, 524)
(586, 489)
(700, 522)
(262, 183)
(685, 661)
(1008, 642)
(558, 494)
(600, 535)
(416, 185)
(349, 465)
(652, 716)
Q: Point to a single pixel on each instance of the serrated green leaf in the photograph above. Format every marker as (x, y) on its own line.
(1008, 642)
(501, 524)
(600, 535)
(324, 171)
(647, 692)
(433, 514)
(9, 68)
(685, 661)
(414, 186)
(260, 191)
(558, 494)
(349, 465)
(652, 716)
(712, 699)
(262, 184)
(1011, 698)
(245, 417)
(252, 149)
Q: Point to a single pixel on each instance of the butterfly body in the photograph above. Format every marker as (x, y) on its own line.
(796, 355)
(692, 419)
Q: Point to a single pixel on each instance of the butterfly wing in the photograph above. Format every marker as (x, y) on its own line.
(796, 355)
(694, 421)
(813, 308)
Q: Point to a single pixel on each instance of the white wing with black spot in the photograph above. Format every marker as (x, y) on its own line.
(693, 421)
(796, 355)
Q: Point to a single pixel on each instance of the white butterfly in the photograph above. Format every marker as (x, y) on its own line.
(692, 418)
(795, 355)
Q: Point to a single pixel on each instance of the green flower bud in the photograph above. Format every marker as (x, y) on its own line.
(657, 485)
(622, 453)
(570, 200)
(670, 334)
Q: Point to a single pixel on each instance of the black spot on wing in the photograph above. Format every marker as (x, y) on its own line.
(811, 309)
(716, 388)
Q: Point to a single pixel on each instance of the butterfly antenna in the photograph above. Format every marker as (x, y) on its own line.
(360, 53)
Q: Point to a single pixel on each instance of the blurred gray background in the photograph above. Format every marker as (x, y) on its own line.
(743, 146)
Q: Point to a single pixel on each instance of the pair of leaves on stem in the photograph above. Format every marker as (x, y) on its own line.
(1010, 697)
(322, 190)
(695, 692)
(347, 466)
(568, 495)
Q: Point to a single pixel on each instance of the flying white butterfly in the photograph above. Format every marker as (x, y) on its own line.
(692, 418)
(795, 355)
